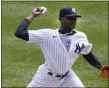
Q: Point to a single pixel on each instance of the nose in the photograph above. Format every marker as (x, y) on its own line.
(72, 21)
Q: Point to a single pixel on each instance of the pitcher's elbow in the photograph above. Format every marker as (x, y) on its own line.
(17, 34)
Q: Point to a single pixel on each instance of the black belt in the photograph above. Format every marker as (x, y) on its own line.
(60, 76)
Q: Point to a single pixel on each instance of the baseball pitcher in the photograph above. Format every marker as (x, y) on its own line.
(61, 48)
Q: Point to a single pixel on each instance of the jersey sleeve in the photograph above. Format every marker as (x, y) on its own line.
(37, 36)
(86, 45)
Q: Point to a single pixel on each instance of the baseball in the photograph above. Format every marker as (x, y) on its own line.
(44, 10)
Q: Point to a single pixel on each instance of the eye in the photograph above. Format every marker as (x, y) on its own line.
(71, 18)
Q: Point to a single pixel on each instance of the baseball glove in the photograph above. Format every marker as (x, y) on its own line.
(104, 72)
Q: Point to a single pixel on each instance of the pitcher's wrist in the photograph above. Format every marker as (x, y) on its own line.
(30, 17)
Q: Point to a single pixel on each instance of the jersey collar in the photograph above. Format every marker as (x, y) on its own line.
(70, 33)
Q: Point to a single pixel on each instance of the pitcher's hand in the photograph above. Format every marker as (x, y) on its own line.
(34, 13)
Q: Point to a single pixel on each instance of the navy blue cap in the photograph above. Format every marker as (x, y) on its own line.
(68, 11)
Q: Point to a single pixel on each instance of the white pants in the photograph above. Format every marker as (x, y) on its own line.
(43, 79)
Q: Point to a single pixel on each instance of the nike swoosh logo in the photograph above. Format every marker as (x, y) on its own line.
(54, 36)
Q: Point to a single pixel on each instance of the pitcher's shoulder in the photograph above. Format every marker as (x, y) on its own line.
(47, 29)
(82, 34)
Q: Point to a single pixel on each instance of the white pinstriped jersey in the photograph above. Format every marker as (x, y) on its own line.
(58, 59)
(66, 40)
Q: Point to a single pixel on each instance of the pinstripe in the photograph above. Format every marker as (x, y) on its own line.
(58, 59)
(71, 80)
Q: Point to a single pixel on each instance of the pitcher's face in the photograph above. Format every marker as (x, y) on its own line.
(68, 22)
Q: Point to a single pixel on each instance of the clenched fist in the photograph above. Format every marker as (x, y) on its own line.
(35, 12)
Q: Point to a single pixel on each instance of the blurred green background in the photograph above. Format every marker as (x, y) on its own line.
(20, 60)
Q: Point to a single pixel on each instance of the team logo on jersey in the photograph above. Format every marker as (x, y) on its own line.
(79, 48)
(68, 42)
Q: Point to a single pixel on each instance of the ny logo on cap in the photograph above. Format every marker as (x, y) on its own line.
(73, 9)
